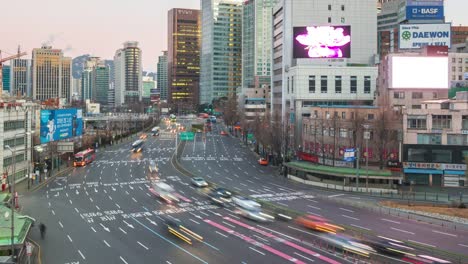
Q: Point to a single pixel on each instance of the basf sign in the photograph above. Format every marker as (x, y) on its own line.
(61, 124)
(424, 12)
(416, 36)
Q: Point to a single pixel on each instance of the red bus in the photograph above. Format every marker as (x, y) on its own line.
(84, 157)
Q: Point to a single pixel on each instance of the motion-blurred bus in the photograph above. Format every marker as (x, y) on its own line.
(84, 157)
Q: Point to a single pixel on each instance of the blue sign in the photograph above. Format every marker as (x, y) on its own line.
(349, 154)
(61, 124)
(424, 12)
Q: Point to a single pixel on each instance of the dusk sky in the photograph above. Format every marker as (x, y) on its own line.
(99, 27)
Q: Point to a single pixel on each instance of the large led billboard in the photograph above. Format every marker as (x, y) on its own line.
(416, 36)
(61, 124)
(322, 42)
(419, 72)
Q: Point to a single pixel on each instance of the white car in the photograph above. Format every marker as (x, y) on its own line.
(199, 182)
(152, 167)
(165, 192)
(246, 203)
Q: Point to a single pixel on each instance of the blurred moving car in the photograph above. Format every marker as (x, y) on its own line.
(318, 224)
(199, 182)
(263, 161)
(137, 146)
(143, 136)
(246, 203)
(165, 192)
(182, 232)
(250, 209)
(152, 167)
(223, 133)
(223, 192)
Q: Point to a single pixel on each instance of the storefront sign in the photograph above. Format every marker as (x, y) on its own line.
(436, 166)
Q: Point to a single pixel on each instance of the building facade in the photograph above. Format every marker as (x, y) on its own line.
(183, 58)
(459, 34)
(304, 75)
(436, 142)
(101, 78)
(20, 73)
(148, 85)
(51, 74)
(458, 68)
(15, 132)
(221, 51)
(128, 74)
(162, 80)
(256, 42)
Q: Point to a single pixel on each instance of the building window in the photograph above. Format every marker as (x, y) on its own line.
(311, 83)
(416, 107)
(323, 84)
(329, 7)
(337, 84)
(13, 125)
(292, 84)
(417, 95)
(325, 131)
(367, 84)
(8, 161)
(460, 60)
(343, 115)
(399, 95)
(342, 19)
(370, 116)
(343, 133)
(352, 115)
(327, 115)
(14, 142)
(417, 155)
(453, 60)
(441, 121)
(442, 155)
(430, 139)
(465, 122)
(332, 131)
(329, 19)
(454, 68)
(342, 8)
(434, 95)
(417, 122)
(288, 85)
(457, 140)
(353, 84)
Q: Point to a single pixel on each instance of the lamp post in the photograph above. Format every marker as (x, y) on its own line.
(367, 137)
(13, 202)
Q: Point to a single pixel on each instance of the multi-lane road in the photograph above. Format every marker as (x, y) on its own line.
(104, 212)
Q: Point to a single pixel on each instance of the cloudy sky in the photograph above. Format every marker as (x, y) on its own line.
(99, 27)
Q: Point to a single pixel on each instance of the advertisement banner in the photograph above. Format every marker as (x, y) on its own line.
(416, 36)
(60, 124)
(424, 12)
(322, 42)
(425, 3)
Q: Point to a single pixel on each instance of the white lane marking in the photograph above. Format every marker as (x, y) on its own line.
(317, 208)
(107, 244)
(261, 238)
(312, 201)
(250, 181)
(148, 194)
(347, 210)
(140, 188)
(228, 224)
(77, 210)
(365, 228)
(319, 215)
(79, 251)
(117, 205)
(243, 184)
(350, 217)
(97, 207)
(53, 212)
(235, 216)
(304, 257)
(91, 199)
(70, 201)
(60, 223)
(194, 221)
(122, 230)
(49, 204)
(257, 251)
(417, 242)
(443, 233)
(110, 197)
(336, 195)
(123, 260)
(145, 247)
(391, 221)
(69, 238)
(134, 200)
(461, 245)
(221, 234)
(401, 230)
(66, 194)
(92, 228)
(283, 204)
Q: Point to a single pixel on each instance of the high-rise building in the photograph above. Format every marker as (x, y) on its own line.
(51, 74)
(221, 51)
(161, 75)
(20, 73)
(6, 78)
(101, 78)
(306, 74)
(111, 99)
(183, 58)
(148, 85)
(256, 42)
(128, 74)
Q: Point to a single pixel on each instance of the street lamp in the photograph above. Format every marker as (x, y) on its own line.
(367, 137)
(12, 202)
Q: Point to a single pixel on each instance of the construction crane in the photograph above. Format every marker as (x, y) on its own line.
(20, 54)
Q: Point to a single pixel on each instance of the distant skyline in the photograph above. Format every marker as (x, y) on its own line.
(101, 27)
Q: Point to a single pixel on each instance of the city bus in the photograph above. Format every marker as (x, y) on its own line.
(137, 146)
(84, 157)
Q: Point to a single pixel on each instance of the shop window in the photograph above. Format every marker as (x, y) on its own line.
(441, 155)
(430, 139)
(417, 155)
(465, 122)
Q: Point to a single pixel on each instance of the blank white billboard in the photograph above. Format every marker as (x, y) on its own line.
(420, 72)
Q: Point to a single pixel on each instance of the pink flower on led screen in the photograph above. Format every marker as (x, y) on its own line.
(324, 42)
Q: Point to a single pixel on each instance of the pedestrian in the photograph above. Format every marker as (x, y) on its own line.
(42, 229)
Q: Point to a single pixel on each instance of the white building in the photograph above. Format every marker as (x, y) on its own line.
(128, 74)
(458, 68)
(20, 74)
(306, 75)
(15, 132)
